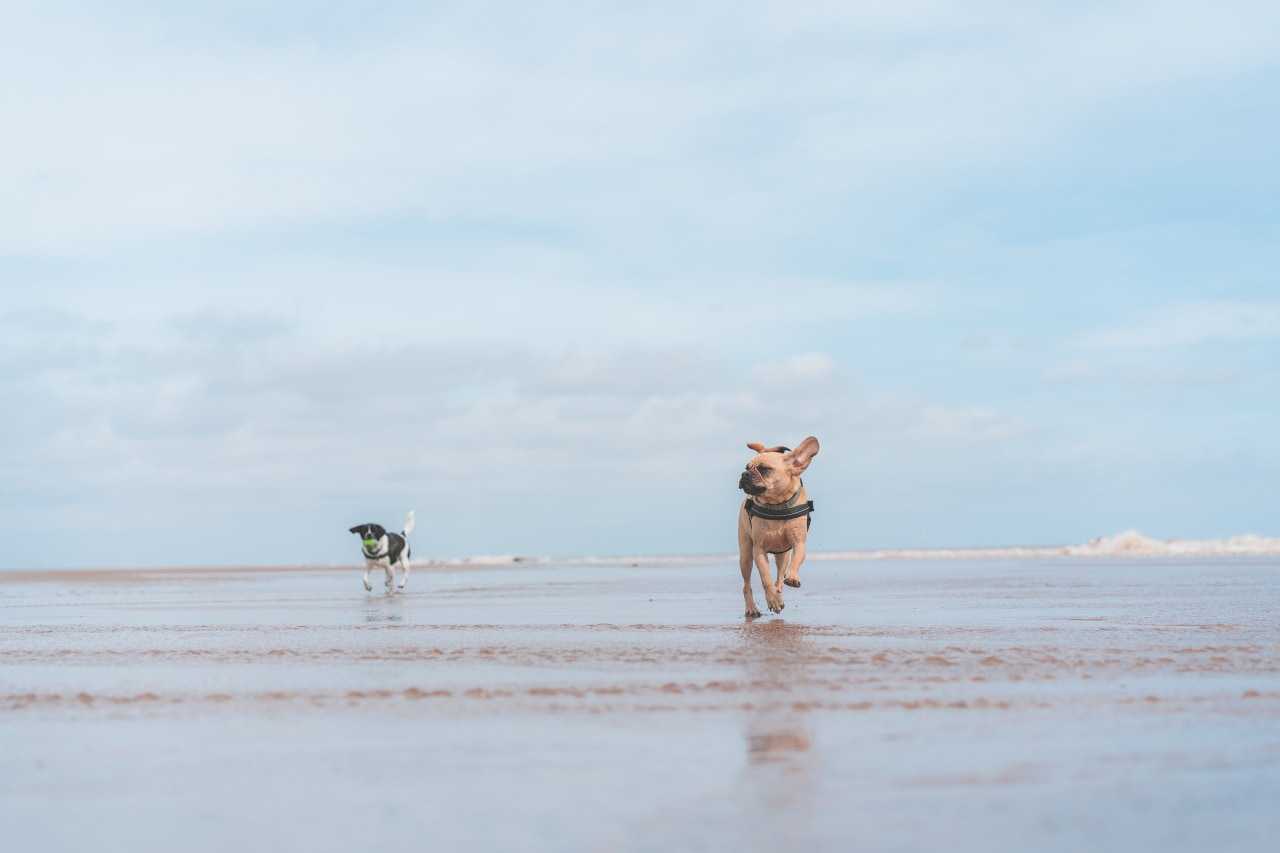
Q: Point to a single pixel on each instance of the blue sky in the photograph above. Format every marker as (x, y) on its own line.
(541, 273)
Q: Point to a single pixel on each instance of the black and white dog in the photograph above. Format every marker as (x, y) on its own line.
(383, 550)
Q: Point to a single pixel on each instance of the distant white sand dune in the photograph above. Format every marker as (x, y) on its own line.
(1133, 542)
(1130, 543)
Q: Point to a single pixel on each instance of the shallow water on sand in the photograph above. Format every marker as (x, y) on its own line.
(896, 705)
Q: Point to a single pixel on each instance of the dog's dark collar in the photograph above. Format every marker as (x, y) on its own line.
(369, 556)
(784, 511)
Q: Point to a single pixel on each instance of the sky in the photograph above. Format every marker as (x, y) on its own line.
(540, 271)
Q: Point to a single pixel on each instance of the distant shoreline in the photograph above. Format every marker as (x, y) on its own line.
(1129, 544)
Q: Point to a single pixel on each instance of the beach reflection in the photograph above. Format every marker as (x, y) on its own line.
(775, 658)
(777, 743)
(380, 611)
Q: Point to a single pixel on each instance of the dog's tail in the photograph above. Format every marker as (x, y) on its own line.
(408, 524)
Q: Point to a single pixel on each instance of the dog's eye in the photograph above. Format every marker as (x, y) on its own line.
(763, 470)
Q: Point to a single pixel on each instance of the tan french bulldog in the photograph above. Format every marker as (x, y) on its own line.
(774, 519)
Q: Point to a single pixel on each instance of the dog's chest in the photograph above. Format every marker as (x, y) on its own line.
(777, 536)
(390, 551)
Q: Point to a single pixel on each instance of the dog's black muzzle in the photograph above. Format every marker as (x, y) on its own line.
(744, 483)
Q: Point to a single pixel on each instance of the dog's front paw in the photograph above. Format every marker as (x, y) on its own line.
(775, 603)
(368, 587)
(792, 582)
(753, 612)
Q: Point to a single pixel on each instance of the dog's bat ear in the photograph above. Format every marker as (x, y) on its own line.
(756, 446)
(803, 455)
(356, 529)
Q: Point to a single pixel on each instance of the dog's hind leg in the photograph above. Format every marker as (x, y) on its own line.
(794, 563)
(771, 595)
(404, 572)
(783, 562)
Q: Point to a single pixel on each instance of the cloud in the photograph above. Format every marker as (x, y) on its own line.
(966, 425)
(757, 122)
(42, 319)
(805, 369)
(228, 326)
(259, 410)
(255, 256)
(1187, 325)
(1096, 371)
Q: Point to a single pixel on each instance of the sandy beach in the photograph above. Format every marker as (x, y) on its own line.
(1048, 704)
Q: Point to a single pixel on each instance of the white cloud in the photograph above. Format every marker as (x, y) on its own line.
(256, 411)
(796, 371)
(562, 240)
(966, 425)
(709, 127)
(1141, 373)
(1186, 325)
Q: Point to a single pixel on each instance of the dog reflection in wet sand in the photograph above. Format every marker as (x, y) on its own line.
(777, 744)
(774, 519)
(776, 660)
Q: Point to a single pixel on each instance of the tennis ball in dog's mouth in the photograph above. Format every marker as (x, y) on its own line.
(370, 544)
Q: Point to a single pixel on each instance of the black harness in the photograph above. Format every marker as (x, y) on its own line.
(783, 511)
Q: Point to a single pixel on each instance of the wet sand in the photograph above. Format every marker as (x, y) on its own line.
(1049, 704)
